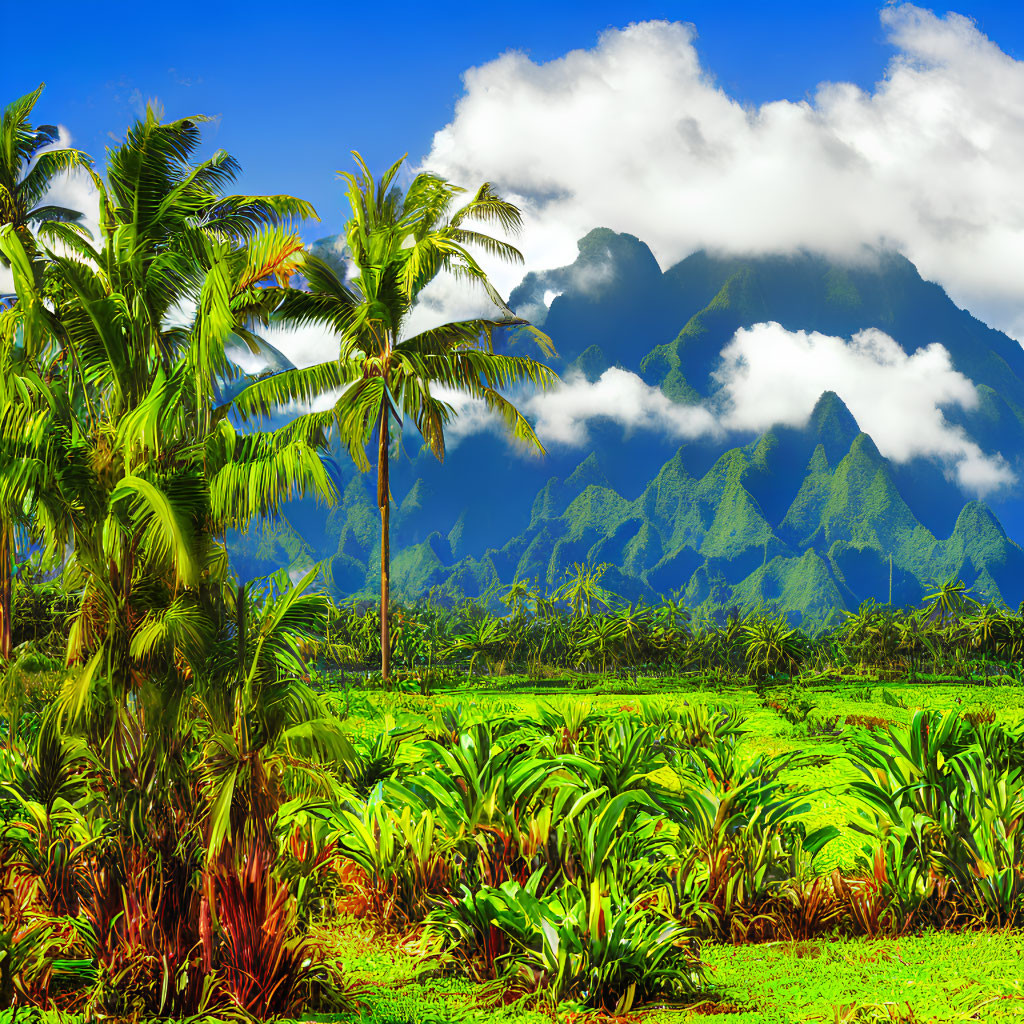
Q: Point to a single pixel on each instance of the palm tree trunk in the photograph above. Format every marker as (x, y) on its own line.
(6, 591)
(384, 502)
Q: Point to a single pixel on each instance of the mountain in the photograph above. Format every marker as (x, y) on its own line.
(804, 519)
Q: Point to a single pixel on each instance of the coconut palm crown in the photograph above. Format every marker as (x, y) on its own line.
(135, 331)
(29, 163)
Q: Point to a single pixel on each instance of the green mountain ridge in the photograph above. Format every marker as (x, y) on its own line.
(708, 537)
(802, 520)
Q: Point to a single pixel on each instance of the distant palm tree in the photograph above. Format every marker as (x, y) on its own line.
(398, 243)
(582, 588)
(949, 598)
(27, 173)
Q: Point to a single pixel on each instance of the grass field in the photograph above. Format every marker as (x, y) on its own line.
(915, 978)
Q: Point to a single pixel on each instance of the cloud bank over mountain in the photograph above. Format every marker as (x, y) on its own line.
(773, 376)
(769, 377)
(634, 134)
(561, 416)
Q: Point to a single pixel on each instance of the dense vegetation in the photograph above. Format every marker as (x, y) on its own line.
(207, 788)
(583, 628)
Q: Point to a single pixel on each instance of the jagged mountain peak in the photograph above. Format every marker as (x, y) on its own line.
(588, 472)
(801, 517)
(832, 425)
(976, 519)
(626, 252)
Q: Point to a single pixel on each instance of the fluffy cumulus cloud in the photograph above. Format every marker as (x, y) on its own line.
(769, 376)
(303, 346)
(635, 135)
(561, 417)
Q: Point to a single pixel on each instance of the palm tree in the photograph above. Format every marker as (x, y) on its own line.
(397, 244)
(26, 174)
(949, 598)
(136, 331)
(263, 719)
(582, 588)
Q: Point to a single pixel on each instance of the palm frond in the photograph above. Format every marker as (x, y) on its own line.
(488, 207)
(48, 166)
(263, 473)
(167, 528)
(301, 386)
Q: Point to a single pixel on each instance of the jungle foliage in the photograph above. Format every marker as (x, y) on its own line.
(582, 628)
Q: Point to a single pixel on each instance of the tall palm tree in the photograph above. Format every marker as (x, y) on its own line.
(398, 244)
(137, 329)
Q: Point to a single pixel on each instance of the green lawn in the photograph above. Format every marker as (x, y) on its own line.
(939, 977)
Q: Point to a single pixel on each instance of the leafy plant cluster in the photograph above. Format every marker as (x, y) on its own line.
(590, 853)
(579, 855)
(142, 868)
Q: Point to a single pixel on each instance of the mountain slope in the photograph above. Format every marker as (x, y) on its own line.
(805, 519)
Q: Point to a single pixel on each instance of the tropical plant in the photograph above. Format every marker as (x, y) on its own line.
(263, 719)
(771, 645)
(581, 943)
(30, 160)
(582, 588)
(160, 471)
(264, 963)
(949, 598)
(397, 244)
(405, 857)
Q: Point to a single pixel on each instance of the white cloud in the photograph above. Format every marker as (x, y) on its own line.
(304, 346)
(770, 376)
(635, 135)
(561, 416)
(773, 376)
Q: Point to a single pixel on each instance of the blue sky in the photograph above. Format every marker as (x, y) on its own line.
(296, 87)
(837, 128)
